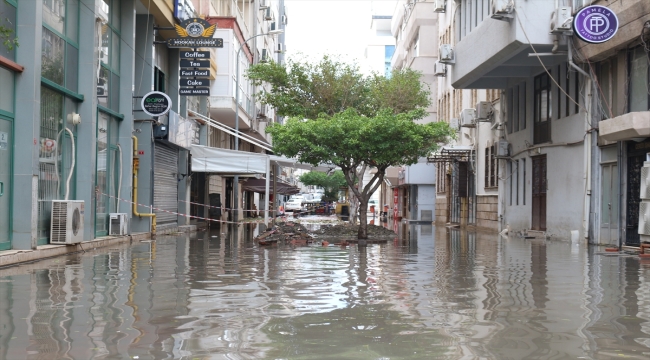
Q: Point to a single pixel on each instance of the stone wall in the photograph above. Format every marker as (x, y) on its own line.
(487, 212)
(441, 209)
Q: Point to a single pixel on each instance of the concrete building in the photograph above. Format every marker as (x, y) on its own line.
(70, 113)
(414, 27)
(573, 115)
(466, 169)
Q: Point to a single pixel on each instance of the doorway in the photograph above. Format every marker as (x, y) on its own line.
(609, 204)
(539, 193)
(5, 183)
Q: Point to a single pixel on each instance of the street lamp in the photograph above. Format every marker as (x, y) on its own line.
(235, 185)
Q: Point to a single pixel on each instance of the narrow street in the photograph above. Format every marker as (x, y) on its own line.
(431, 293)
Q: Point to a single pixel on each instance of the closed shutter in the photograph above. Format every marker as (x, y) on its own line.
(165, 189)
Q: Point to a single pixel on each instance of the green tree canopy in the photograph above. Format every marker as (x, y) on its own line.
(330, 182)
(330, 86)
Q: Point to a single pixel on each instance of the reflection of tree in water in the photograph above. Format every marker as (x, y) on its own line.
(359, 332)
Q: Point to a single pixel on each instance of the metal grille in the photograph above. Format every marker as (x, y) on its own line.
(59, 222)
(165, 193)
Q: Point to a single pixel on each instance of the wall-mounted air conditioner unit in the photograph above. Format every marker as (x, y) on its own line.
(261, 113)
(268, 15)
(284, 20)
(439, 6)
(561, 21)
(67, 222)
(280, 48)
(454, 123)
(484, 111)
(502, 9)
(446, 54)
(503, 149)
(264, 4)
(118, 224)
(439, 69)
(467, 118)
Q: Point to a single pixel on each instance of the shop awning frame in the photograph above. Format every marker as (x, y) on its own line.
(451, 154)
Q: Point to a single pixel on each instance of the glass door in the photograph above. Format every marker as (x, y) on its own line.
(6, 145)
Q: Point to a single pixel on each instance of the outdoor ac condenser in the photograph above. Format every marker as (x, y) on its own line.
(446, 54)
(644, 206)
(118, 224)
(439, 69)
(467, 118)
(67, 222)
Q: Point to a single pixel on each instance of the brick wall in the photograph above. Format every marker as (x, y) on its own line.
(487, 215)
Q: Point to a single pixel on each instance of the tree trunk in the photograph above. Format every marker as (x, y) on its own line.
(363, 219)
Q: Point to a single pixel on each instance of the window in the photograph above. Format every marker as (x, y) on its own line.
(8, 21)
(517, 182)
(491, 169)
(509, 169)
(522, 106)
(543, 109)
(158, 80)
(638, 88)
(441, 177)
(604, 73)
(108, 83)
(389, 50)
(60, 49)
(523, 183)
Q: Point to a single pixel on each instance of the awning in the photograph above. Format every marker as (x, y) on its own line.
(228, 130)
(259, 186)
(451, 153)
(285, 161)
(227, 162)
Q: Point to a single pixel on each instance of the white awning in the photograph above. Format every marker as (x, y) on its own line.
(293, 163)
(231, 131)
(227, 162)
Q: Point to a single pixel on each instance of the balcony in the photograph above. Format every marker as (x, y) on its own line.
(492, 64)
(625, 127)
(411, 22)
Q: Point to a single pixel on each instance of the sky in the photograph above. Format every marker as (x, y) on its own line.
(317, 27)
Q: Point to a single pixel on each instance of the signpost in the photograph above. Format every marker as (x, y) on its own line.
(156, 104)
(595, 24)
(195, 65)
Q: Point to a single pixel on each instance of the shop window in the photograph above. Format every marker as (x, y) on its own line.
(8, 21)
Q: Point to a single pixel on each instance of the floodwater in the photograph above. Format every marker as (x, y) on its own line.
(432, 293)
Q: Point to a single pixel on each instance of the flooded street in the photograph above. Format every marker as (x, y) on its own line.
(431, 293)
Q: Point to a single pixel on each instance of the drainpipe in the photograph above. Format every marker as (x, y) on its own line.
(135, 190)
(590, 152)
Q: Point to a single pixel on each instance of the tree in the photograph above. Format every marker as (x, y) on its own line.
(331, 86)
(350, 140)
(339, 116)
(331, 183)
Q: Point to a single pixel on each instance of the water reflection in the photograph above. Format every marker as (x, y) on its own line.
(433, 292)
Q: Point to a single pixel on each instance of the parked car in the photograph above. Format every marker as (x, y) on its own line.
(293, 205)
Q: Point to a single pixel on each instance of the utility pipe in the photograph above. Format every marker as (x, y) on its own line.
(135, 191)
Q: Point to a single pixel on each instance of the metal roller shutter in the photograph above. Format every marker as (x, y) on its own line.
(165, 190)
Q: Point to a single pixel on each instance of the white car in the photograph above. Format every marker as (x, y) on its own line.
(293, 205)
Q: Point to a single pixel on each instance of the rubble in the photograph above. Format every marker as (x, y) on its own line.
(350, 231)
(289, 232)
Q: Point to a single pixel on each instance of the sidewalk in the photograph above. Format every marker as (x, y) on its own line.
(13, 257)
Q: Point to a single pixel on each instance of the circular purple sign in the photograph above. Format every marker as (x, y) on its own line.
(595, 24)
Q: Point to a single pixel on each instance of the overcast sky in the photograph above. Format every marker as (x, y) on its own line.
(339, 27)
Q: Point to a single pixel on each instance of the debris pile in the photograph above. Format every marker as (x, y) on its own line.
(347, 230)
(289, 232)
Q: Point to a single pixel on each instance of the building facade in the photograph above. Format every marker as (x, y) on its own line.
(72, 127)
(572, 125)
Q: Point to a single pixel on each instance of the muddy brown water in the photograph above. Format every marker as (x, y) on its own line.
(431, 293)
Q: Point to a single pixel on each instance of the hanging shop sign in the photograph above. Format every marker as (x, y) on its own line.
(195, 82)
(194, 73)
(156, 104)
(195, 55)
(595, 24)
(194, 91)
(195, 33)
(190, 63)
